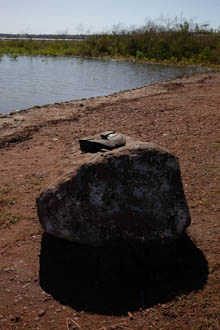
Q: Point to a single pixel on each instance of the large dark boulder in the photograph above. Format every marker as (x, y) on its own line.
(134, 192)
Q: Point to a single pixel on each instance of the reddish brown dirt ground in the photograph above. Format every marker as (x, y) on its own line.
(47, 283)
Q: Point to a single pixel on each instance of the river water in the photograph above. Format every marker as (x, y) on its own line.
(36, 80)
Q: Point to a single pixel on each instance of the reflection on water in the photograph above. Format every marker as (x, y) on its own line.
(27, 81)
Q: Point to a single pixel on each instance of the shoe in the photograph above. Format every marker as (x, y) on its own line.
(109, 141)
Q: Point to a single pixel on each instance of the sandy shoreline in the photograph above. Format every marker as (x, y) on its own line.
(18, 121)
(44, 282)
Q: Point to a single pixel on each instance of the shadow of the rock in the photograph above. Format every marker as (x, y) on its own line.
(115, 280)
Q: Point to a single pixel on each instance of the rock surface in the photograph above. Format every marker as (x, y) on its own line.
(131, 193)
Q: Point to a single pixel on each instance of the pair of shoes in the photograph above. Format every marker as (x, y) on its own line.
(109, 141)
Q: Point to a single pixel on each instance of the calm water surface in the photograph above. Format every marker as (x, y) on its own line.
(28, 81)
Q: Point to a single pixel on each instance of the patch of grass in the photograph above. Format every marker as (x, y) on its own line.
(216, 146)
(7, 201)
(36, 183)
(215, 267)
(192, 205)
(8, 219)
(210, 169)
(6, 189)
(5, 245)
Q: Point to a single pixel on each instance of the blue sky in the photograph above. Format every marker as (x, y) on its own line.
(58, 16)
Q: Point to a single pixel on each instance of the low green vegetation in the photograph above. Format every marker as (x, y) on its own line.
(5, 198)
(179, 43)
(6, 202)
(6, 189)
(8, 218)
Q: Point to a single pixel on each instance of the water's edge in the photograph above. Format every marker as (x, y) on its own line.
(29, 81)
(21, 125)
(152, 89)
